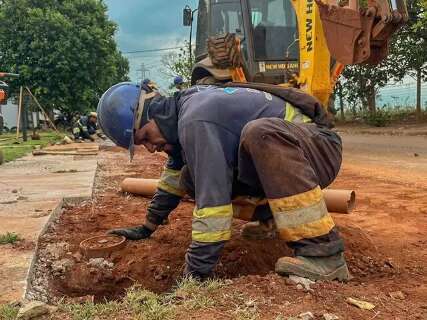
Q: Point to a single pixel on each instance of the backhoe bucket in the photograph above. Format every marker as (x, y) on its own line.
(361, 36)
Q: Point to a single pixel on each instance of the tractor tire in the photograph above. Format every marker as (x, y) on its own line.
(224, 51)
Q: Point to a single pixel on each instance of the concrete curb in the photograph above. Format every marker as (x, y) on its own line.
(56, 213)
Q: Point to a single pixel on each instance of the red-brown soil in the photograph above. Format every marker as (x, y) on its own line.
(385, 240)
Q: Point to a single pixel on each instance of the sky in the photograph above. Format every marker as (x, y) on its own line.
(146, 25)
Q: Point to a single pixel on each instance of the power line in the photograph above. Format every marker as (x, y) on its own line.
(152, 50)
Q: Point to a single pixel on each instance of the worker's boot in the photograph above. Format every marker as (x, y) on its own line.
(314, 268)
(133, 233)
(260, 230)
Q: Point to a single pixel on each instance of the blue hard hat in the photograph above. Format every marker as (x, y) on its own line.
(178, 80)
(116, 113)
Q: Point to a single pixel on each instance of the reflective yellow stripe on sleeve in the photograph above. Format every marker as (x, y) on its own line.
(169, 182)
(212, 224)
(294, 115)
(302, 216)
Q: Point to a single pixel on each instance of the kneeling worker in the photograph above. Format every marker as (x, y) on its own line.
(86, 127)
(225, 143)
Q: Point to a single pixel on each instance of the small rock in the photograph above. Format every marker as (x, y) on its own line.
(330, 316)
(397, 295)
(61, 266)
(33, 310)
(101, 263)
(158, 277)
(16, 304)
(250, 303)
(78, 256)
(300, 287)
(302, 281)
(22, 198)
(14, 191)
(416, 155)
(306, 316)
(361, 304)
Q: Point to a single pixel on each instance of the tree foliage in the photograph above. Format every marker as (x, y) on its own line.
(64, 50)
(178, 63)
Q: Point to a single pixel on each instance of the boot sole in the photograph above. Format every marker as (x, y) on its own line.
(340, 274)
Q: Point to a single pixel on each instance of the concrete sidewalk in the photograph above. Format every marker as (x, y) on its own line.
(30, 189)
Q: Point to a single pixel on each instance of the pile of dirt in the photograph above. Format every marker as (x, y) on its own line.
(158, 262)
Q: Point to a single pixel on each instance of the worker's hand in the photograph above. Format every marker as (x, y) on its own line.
(134, 233)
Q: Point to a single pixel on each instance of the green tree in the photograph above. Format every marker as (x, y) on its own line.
(362, 83)
(178, 63)
(64, 50)
(411, 46)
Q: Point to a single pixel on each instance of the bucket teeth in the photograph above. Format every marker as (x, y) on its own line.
(361, 36)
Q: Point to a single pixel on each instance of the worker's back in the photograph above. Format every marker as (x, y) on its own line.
(229, 108)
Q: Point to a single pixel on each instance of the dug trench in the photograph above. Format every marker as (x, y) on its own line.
(379, 262)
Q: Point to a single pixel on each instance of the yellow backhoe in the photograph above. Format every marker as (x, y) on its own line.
(300, 43)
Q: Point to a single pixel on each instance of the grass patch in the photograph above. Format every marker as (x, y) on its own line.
(144, 304)
(16, 148)
(141, 304)
(8, 312)
(92, 311)
(9, 238)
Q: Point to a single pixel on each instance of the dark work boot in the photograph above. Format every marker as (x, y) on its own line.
(259, 230)
(314, 268)
(134, 233)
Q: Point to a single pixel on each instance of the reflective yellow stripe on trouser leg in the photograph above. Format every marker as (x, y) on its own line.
(212, 224)
(169, 182)
(302, 216)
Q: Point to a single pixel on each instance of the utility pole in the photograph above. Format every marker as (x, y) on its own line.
(188, 22)
(144, 71)
(24, 117)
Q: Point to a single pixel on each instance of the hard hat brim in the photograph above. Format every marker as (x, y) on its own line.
(134, 123)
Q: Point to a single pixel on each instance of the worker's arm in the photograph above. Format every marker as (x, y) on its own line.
(85, 132)
(169, 192)
(80, 130)
(210, 166)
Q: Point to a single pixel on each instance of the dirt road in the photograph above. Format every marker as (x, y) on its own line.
(385, 240)
(401, 153)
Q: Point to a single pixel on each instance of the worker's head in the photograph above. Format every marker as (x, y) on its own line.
(150, 84)
(178, 81)
(93, 117)
(130, 114)
(150, 136)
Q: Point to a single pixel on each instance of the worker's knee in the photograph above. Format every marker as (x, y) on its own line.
(256, 132)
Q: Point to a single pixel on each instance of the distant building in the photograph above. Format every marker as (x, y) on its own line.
(10, 113)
